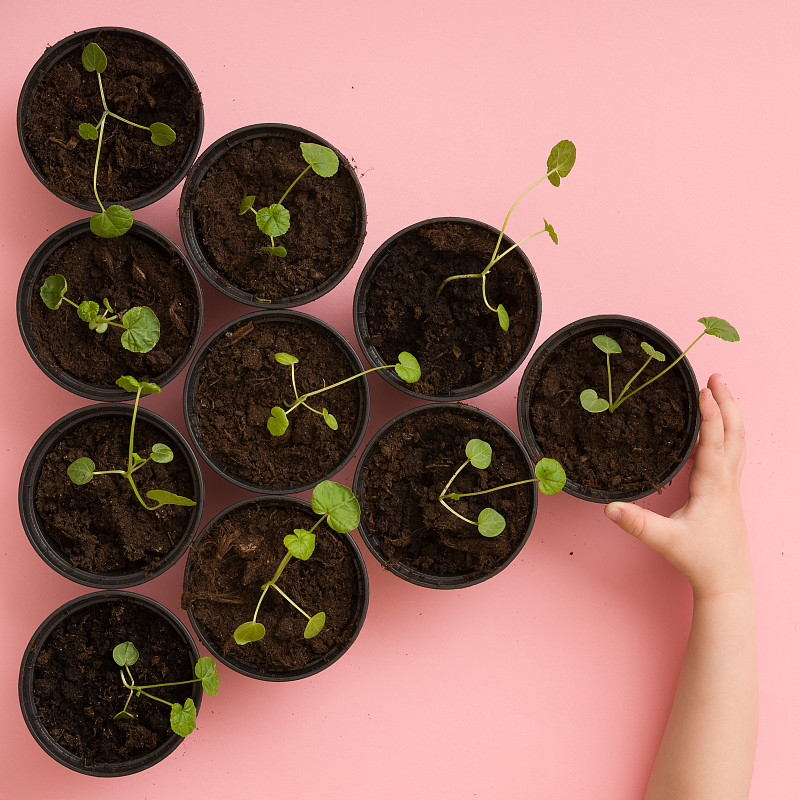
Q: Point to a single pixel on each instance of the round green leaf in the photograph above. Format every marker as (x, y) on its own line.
(719, 327)
(551, 476)
(479, 453)
(249, 632)
(93, 58)
(280, 252)
(315, 625)
(285, 358)
(161, 453)
(591, 402)
(206, 670)
(273, 220)
(81, 470)
(278, 422)
(502, 316)
(561, 159)
(652, 352)
(87, 131)
(300, 543)
(143, 330)
(407, 368)
(114, 221)
(123, 715)
(606, 344)
(168, 499)
(330, 420)
(125, 653)
(183, 718)
(551, 232)
(161, 134)
(339, 503)
(53, 290)
(88, 311)
(490, 523)
(98, 327)
(322, 159)
(130, 384)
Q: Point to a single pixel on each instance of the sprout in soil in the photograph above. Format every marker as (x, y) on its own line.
(407, 368)
(549, 473)
(114, 220)
(182, 718)
(82, 470)
(273, 220)
(339, 508)
(559, 164)
(140, 325)
(591, 402)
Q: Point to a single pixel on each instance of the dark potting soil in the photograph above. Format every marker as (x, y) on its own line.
(457, 340)
(239, 554)
(142, 84)
(409, 467)
(325, 227)
(629, 450)
(77, 687)
(130, 271)
(101, 526)
(239, 383)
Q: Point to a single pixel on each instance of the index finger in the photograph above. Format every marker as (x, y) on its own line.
(731, 419)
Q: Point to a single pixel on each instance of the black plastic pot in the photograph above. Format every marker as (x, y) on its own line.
(82, 605)
(27, 295)
(71, 47)
(34, 527)
(409, 573)
(374, 356)
(602, 324)
(193, 240)
(321, 662)
(193, 377)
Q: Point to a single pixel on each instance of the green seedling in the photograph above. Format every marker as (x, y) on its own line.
(182, 718)
(337, 506)
(549, 474)
(273, 220)
(140, 325)
(114, 220)
(82, 470)
(559, 163)
(406, 368)
(713, 326)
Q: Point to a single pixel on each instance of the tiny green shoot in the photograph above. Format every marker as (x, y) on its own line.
(549, 474)
(274, 220)
(115, 220)
(82, 470)
(140, 326)
(406, 368)
(338, 506)
(590, 401)
(182, 718)
(559, 163)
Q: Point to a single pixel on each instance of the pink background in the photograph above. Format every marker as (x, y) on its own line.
(552, 680)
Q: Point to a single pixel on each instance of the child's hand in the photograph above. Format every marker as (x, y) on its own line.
(706, 539)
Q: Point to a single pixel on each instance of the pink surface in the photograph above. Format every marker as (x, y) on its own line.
(552, 680)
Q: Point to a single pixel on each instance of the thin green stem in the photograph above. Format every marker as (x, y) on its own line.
(74, 305)
(302, 399)
(133, 426)
(283, 197)
(459, 495)
(102, 95)
(513, 246)
(176, 683)
(100, 128)
(139, 465)
(608, 368)
(110, 472)
(261, 599)
(127, 702)
(621, 395)
(483, 290)
(280, 591)
(453, 511)
(455, 475)
(153, 697)
(281, 567)
(134, 124)
(136, 492)
(456, 277)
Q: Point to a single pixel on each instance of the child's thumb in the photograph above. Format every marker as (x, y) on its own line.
(643, 524)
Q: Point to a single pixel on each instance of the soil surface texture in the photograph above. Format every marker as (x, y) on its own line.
(457, 340)
(239, 383)
(325, 224)
(77, 687)
(130, 271)
(234, 559)
(142, 84)
(407, 470)
(632, 449)
(101, 526)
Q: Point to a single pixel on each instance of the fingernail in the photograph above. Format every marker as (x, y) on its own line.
(613, 511)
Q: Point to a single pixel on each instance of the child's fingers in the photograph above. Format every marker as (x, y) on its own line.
(709, 455)
(731, 419)
(647, 526)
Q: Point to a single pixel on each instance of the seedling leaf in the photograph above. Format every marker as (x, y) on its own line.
(490, 523)
(285, 358)
(339, 503)
(88, 310)
(720, 328)
(315, 625)
(247, 204)
(53, 290)
(93, 58)
(206, 670)
(551, 476)
(300, 543)
(322, 159)
(502, 316)
(606, 344)
(137, 459)
(183, 718)
(130, 384)
(143, 330)
(561, 159)
(278, 422)
(87, 131)
(249, 632)
(114, 221)
(81, 470)
(591, 402)
(551, 231)
(408, 368)
(161, 134)
(125, 653)
(330, 420)
(161, 453)
(652, 352)
(123, 715)
(168, 498)
(279, 252)
(273, 220)
(479, 453)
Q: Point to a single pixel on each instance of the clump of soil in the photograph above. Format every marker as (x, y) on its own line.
(326, 226)
(101, 526)
(457, 340)
(130, 271)
(239, 382)
(143, 84)
(228, 567)
(406, 471)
